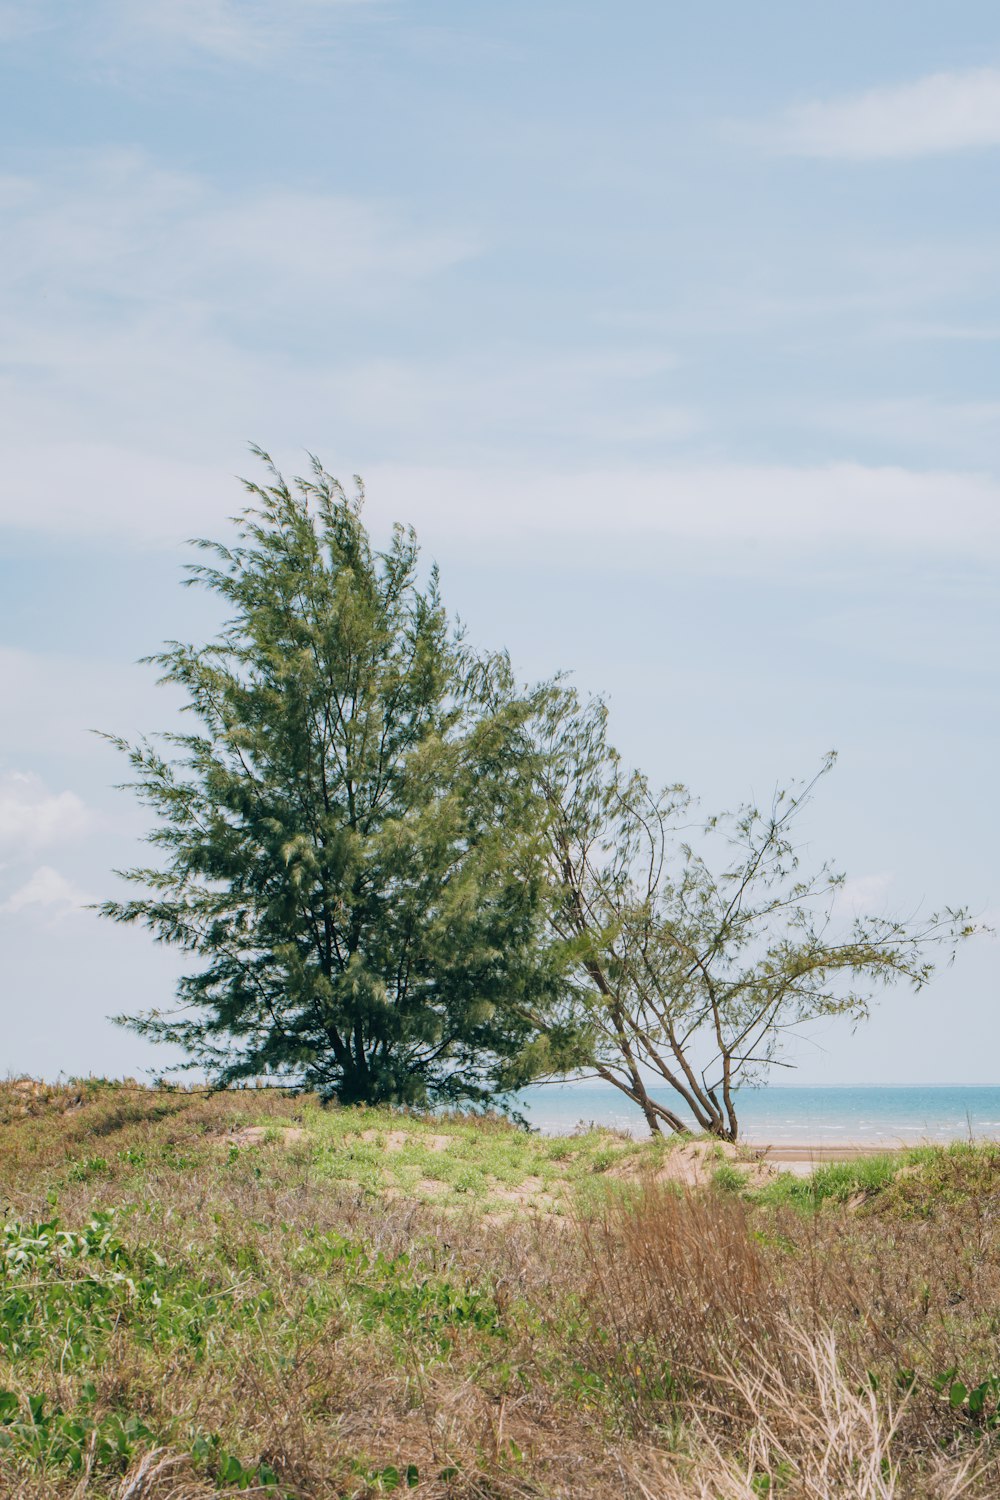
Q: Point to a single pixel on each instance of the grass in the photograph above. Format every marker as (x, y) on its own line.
(921, 1181)
(249, 1294)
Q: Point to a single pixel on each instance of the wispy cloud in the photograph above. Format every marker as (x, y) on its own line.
(138, 302)
(941, 432)
(113, 225)
(33, 818)
(943, 112)
(241, 32)
(46, 890)
(760, 513)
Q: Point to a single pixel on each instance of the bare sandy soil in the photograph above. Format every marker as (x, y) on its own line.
(801, 1159)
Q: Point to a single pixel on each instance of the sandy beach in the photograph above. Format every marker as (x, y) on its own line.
(802, 1159)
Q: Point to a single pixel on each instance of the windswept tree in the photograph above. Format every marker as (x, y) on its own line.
(692, 950)
(348, 843)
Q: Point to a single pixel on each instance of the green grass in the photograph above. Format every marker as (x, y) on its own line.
(729, 1179)
(456, 1160)
(919, 1181)
(835, 1182)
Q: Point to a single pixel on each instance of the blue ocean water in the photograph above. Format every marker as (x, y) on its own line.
(793, 1116)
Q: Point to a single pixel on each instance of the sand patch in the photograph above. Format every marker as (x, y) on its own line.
(802, 1161)
(531, 1193)
(426, 1187)
(816, 1155)
(398, 1140)
(694, 1165)
(258, 1135)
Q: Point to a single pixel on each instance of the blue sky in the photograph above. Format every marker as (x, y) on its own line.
(673, 328)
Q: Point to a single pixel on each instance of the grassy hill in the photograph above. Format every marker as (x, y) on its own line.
(249, 1294)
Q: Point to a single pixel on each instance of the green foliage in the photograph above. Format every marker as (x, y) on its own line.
(91, 1166)
(729, 1179)
(55, 1438)
(387, 1293)
(350, 844)
(70, 1284)
(834, 1182)
(918, 1182)
(383, 1481)
(80, 1440)
(773, 1484)
(228, 1471)
(978, 1403)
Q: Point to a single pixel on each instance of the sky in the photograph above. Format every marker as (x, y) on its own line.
(673, 328)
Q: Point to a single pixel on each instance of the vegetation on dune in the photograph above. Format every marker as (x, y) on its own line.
(249, 1293)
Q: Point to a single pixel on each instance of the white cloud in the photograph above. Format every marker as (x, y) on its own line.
(137, 303)
(952, 111)
(762, 512)
(112, 224)
(45, 890)
(241, 32)
(32, 818)
(940, 431)
(770, 509)
(513, 397)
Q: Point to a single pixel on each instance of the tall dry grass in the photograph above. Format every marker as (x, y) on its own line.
(809, 1348)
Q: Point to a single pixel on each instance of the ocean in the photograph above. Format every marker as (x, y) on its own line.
(793, 1116)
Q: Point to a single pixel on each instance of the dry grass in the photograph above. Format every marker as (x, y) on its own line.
(262, 1312)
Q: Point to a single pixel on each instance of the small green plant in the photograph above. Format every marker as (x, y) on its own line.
(54, 1438)
(767, 1485)
(729, 1179)
(389, 1293)
(91, 1166)
(384, 1481)
(228, 1471)
(980, 1403)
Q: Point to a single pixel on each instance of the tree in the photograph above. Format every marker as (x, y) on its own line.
(349, 847)
(684, 967)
